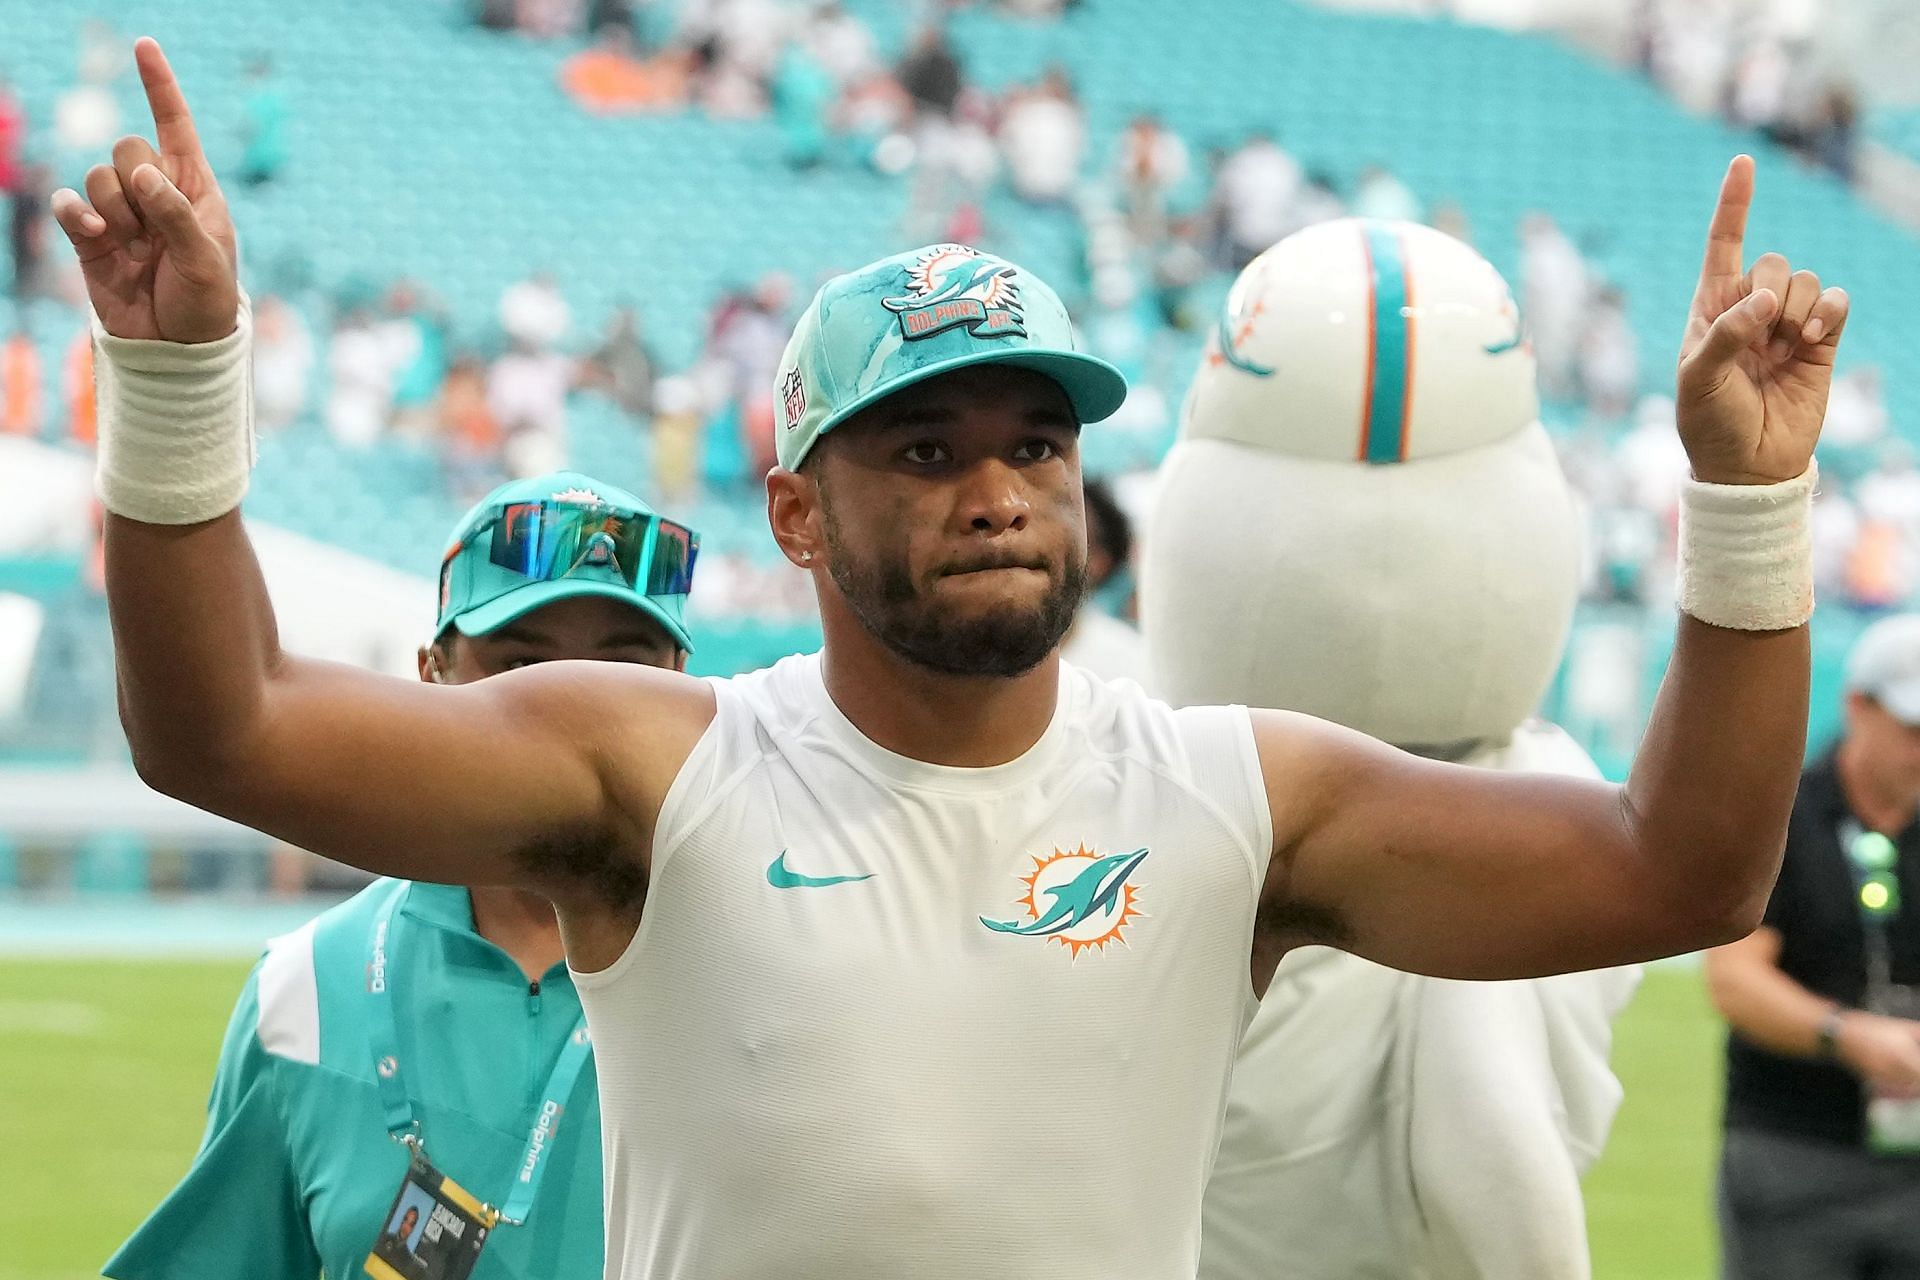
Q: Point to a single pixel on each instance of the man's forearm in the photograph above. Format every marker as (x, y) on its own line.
(194, 639)
(1768, 1009)
(1714, 780)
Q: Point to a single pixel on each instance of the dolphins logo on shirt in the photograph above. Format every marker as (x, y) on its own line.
(1077, 898)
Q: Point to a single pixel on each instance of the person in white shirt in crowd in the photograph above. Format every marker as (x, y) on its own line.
(1381, 195)
(876, 115)
(534, 312)
(1760, 83)
(1857, 411)
(973, 152)
(1553, 289)
(1043, 134)
(1151, 162)
(1637, 522)
(1609, 357)
(1891, 491)
(527, 387)
(282, 362)
(1116, 331)
(1644, 455)
(740, 42)
(1889, 496)
(1836, 533)
(360, 369)
(842, 45)
(527, 391)
(751, 34)
(954, 166)
(1255, 192)
(86, 116)
(749, 342)
(403, 333)
(1692, 50)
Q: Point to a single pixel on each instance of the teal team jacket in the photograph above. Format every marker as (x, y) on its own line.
(296, 1171)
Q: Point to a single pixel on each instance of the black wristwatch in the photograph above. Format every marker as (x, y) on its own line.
(1827, 1041)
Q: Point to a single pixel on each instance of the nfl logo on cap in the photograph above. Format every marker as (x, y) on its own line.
(793, 398)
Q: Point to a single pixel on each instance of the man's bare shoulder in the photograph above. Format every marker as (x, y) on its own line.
(639, 723)
(1309, 764)
(1292, 743)
(583, 693)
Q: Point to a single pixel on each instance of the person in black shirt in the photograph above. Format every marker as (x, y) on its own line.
(1822, 1002)
(931, 74)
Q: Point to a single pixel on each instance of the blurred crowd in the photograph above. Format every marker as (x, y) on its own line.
(1755, 68)
(86, 118)
(1866, 515)
(1163, 221)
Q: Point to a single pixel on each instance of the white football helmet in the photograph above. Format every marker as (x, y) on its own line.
(1365, 341)
(1363, 518)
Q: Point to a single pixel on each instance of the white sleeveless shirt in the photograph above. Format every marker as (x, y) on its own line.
(888, 1018)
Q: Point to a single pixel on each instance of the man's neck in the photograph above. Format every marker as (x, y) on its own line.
(959, 721)
(521, 924)
(1879, 807)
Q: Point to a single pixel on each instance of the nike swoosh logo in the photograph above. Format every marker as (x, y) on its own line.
(780, 878)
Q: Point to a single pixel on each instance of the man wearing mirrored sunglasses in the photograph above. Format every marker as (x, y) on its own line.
(475, 1036)
(927, 954)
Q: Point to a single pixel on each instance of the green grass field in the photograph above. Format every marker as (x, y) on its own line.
(107, 1066)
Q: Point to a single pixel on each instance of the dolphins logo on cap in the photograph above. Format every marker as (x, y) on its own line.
(952, 285)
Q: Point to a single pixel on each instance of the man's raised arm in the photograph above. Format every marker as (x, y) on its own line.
(1475, 874)
(463, 784)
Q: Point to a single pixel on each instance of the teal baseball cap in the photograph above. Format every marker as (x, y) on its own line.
(914, 316)
(555, 537)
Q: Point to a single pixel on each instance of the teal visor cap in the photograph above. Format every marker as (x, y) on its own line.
(904, 319)
(532, 543)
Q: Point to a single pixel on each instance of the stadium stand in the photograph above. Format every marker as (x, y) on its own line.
(422, 147)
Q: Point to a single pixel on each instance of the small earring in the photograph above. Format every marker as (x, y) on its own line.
(806, 556)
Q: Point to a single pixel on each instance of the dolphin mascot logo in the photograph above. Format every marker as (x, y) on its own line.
(1095, 889)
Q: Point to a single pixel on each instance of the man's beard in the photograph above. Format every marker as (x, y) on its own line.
(1004, 641)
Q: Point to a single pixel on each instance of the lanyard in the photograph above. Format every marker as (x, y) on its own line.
(1874, 860)
(397, 1106)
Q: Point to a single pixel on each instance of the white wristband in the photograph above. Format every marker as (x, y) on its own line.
(176, 424)
(1746, 553)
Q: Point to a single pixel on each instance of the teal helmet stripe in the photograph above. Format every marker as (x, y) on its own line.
(1390, 365)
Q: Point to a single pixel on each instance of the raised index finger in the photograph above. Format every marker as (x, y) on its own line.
(171, 119)
(1727, 233)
